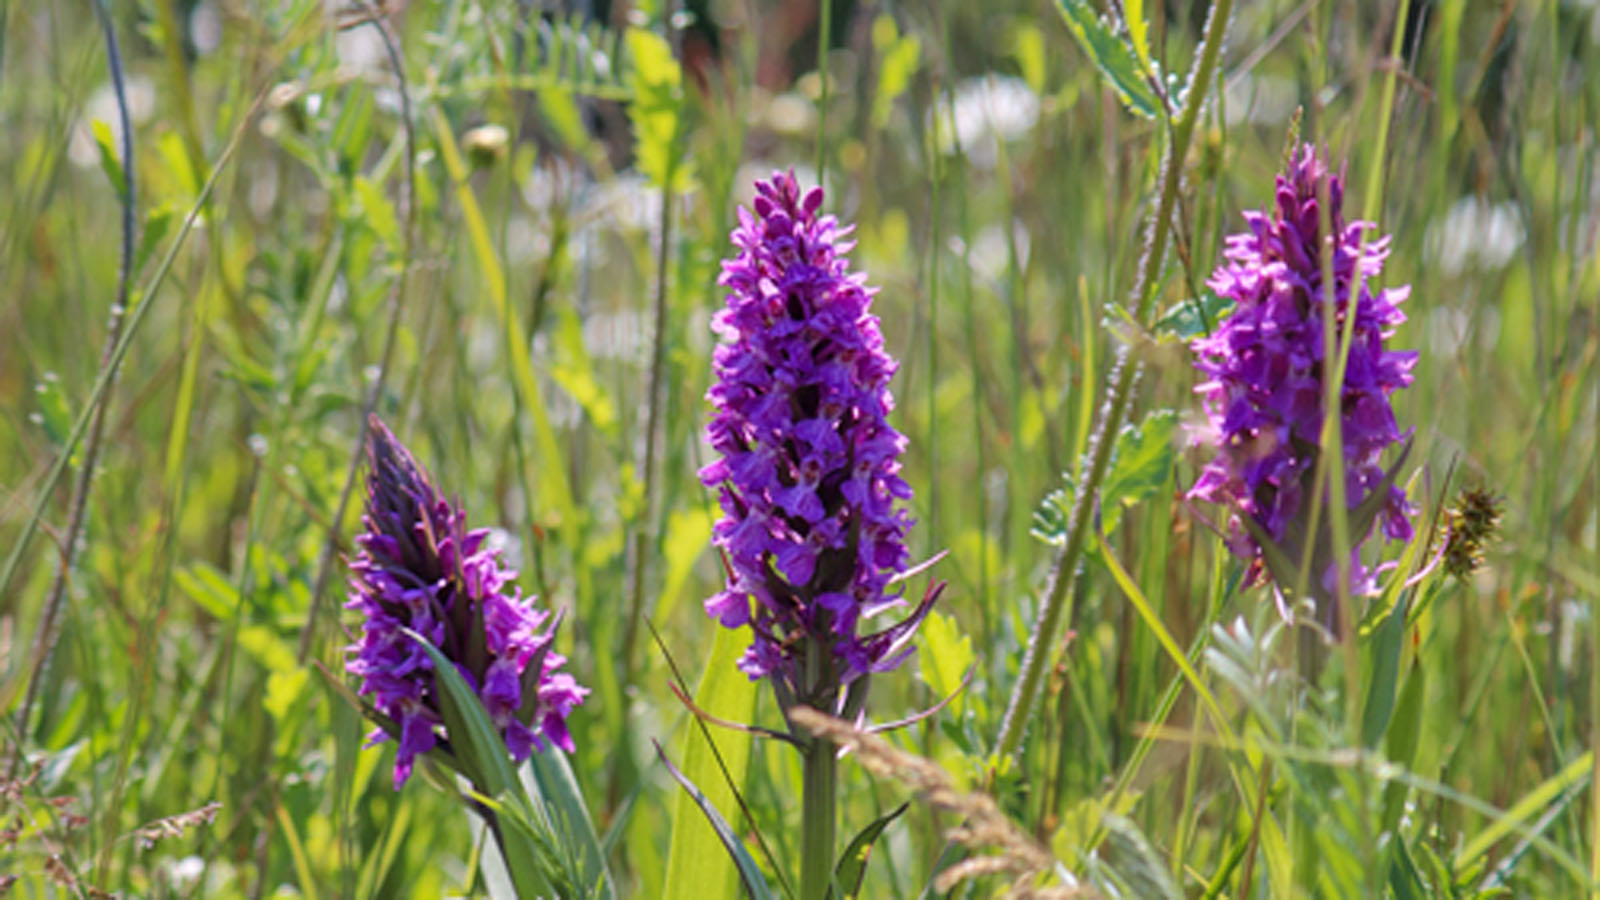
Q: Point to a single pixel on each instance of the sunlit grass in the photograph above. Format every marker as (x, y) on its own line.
(1001, 194)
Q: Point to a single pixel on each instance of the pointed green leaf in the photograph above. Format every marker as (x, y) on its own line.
(1027, 46)
(1138, 31)
(1383, 674)
(484, 757)
(110, 160)
(1404, 879)
(575, 371)
(156, 225)
(945, 654)
(1403, 739)
(378, 212)
(852, 867)
(1530, 807)
(1135, 861)
(1111, 55)
(552, 778)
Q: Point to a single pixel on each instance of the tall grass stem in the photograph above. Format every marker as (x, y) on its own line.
(44, 640)
(391, 46)
(1119, 391)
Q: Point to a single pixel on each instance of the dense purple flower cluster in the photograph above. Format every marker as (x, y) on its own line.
(1264, 366)
(418, 567)
(808, 465)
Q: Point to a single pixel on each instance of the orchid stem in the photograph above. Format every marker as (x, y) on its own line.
(818, 811)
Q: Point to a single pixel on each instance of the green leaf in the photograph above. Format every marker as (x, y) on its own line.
(657, 84)
(1404, 879)
(1193, 316)
(898, 56)
(1027, 45)
(377, 212)
(574, 370)
(156, 225)
(560, 110)
(550, 474)
(749, 873)
(1141, 464)
(945, 654)
(483, 756)
(1138, 31)
(1081, 820)
(557, 788)
(1404, 738)
(852, 867)
(697, 866)
(1053, 515)
(1111, 55)
(1383, 674)
(110, 159)
(1528, 808)
(683, 543)
(1136, 865)
(54, 414)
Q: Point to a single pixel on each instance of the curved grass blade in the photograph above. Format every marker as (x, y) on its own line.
(1529, 807)
(852, 867)
(696, 867)
(749, 872)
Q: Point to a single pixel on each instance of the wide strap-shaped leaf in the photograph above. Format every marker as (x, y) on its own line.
(551, 776)
(697, 867)
(487, 764)
(749, 873)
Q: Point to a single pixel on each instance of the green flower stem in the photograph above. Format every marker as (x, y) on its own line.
(1119, 391)
(818, 811)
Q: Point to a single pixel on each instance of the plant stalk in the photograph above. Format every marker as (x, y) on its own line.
(818, 810)
(44, 642)
(1119, 391)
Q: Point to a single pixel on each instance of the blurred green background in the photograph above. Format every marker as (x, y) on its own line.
(999, 191)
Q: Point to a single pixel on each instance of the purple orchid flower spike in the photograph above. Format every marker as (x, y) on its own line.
(813, 527)
(1264, 386)
(419, 568)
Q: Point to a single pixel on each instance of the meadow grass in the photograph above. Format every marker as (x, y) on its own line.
(500, 230)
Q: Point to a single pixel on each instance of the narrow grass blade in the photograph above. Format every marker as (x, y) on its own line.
(552, 478)
(697, 867)
(1529, 807)
(749, 873)
(1272, 840)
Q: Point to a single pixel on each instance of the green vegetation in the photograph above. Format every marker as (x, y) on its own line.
(501, 231)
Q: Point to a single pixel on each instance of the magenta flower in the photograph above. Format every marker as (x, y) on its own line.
(1265, 372)
(418, 567)
(808, 467)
